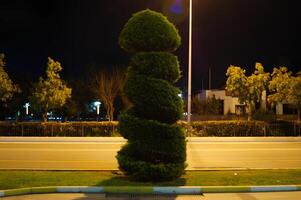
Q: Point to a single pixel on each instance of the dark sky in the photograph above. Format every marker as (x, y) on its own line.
(83, 33)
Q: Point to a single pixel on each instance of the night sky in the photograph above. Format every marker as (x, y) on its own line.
(84, 33)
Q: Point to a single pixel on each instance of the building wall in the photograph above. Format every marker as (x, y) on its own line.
(229, 102)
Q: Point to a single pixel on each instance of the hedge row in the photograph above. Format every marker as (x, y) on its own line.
(55, 129)
(199, 129)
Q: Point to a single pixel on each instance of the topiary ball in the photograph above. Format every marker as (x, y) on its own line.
(148, 30)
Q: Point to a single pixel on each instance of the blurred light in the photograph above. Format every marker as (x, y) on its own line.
(177, 7)
(97, 103)
(26, 106)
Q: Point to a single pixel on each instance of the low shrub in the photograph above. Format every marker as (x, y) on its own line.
(262, 115)
(228, 128)
(57, 129)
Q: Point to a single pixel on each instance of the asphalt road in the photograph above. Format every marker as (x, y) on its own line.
(100, 155)
(227, 196)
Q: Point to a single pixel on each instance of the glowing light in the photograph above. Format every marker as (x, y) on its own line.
(97, 104)
(26, 106)
(177, 7)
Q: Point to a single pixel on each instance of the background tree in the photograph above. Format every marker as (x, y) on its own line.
(279, 86)
(7, 87)
(50, 93)
(210, 106)
(156, 148)
(248, 89)
(107, 85)
(294, 95)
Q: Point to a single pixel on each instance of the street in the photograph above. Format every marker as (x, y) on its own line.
(100, 155)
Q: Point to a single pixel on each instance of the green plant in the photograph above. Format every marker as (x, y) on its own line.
(156, 148)
(263, 115)
(228, 128)
(149, 31)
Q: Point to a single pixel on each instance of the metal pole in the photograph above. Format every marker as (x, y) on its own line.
(189, 66)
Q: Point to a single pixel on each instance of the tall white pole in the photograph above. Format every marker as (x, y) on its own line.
(97, 109)
(189, 65)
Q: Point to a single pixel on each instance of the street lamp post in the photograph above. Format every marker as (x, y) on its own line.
(26, 106)
(189, 67)
(97, 104)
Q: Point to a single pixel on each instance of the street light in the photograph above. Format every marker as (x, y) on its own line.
(26, 106)
(97, 105)
(189, 66)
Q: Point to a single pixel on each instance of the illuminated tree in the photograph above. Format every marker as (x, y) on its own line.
(248, 89)
(285, 87)
(50, 93)
(156, 148)
(294, 96)
(7, 87)
(280, 85)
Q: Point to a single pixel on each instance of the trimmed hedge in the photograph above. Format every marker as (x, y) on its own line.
(56, 129)
(154, 99)
(156, 149)
(140, 170)
(229, 128)
(159, 65)
(149, 31)
(156, 129)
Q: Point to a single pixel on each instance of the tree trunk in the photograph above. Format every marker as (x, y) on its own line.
(44, 116)
(110, 112)
(65, 118)
(250, 113)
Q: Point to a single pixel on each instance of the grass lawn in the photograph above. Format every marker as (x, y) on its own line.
(11, 179)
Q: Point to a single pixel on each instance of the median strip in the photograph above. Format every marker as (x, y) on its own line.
(183, 190)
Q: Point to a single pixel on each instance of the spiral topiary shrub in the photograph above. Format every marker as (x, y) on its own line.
(156, 148)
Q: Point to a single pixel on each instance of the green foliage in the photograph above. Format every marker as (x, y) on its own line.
(236, 84)
(248, 89)
(54, 129)
(160, 65)
(156, 148)
(50, 93)
(154, 99)
(285, 87)
(263, 115)
(7, 87)
(141, 170)
(280, 85)
(294, 95)
(210, 106)
(148, 30)
(228, 128)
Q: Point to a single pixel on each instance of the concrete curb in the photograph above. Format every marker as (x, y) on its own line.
(183, 190)
(122, 140)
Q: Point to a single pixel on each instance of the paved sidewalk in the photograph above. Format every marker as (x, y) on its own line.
(221, 196)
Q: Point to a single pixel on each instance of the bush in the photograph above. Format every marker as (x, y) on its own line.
(154, 99)
(159, 65)
(229, 128)
(262, 115)
(56, 129)
(210, 106)
(156, 148)
(149, 31)
(140, 170)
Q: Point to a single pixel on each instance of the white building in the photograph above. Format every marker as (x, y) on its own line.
(230, 104)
